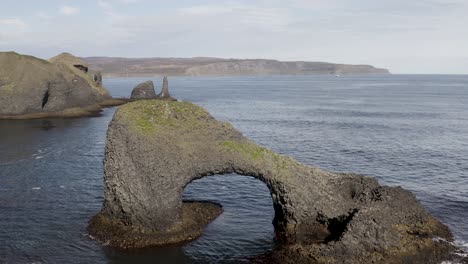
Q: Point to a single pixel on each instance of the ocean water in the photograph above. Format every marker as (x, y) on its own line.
(407, 130)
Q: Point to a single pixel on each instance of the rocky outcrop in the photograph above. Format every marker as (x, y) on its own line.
(164, 94)
(165, 89)
(80, 68)
(98, 78)
(144, 90)
(35, 88)
(155, 148)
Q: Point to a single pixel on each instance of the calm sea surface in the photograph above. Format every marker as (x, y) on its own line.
(404, 129)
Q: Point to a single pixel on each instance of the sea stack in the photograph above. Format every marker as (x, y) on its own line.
(34, 88)
(144, 90)
(155, 148)
(165, 90)
(98, 78)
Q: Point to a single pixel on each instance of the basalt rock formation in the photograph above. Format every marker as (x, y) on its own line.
(165, 89)
(157, 147)
(164, 94)
(98, 78)
(35, 88)
(144, 91)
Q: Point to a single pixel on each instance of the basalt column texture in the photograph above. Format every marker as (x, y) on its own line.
(155, 148)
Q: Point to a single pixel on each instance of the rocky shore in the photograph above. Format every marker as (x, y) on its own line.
(155, 148)
(195, 215)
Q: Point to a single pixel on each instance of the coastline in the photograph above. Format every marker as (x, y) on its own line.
(75, 112)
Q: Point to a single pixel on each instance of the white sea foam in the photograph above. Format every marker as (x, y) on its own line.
(462, 244)
(36, 188)
(40, 153)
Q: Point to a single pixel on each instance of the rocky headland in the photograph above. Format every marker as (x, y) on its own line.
(61, 87)
(155, 148)
(126, 67)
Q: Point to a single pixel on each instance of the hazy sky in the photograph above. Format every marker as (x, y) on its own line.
(422, 36)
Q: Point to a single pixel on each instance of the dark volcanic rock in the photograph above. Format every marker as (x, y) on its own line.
(165, 90)
(34, 88)
(155, 148)
(98, 78)
(144, 91)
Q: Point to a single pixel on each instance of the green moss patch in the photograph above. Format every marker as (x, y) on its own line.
(154, 115)
(246, 148)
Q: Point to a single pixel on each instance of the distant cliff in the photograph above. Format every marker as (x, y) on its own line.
(220, 67)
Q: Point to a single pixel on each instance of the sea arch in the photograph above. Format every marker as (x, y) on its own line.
(155, 148)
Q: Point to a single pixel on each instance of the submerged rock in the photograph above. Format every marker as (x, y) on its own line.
(144, 91)
(155, 148)
(35, 88)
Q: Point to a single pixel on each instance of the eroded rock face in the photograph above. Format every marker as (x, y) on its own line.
(33, 88)
(80, 68)
(155, 148)
(144, 91)
(165, 89)
(98, 78)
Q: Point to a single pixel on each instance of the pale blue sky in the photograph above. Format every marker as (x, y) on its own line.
(424, 36)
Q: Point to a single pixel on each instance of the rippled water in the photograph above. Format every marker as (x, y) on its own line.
(405, 130)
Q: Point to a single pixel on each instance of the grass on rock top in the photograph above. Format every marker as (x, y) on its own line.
(161, 117)
(258, 153)
(150, 115)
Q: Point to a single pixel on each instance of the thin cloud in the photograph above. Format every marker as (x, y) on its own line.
(43, 16)
(69, 10)
(129, 1)
(15, 22)
(104, 4)
(384, 33)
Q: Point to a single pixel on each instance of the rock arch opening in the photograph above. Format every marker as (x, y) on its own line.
(273, 191)
(245, 227)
